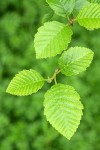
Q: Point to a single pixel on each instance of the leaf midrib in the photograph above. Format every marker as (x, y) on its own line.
(29, 84)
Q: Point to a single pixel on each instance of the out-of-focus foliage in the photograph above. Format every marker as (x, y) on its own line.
(23, 125)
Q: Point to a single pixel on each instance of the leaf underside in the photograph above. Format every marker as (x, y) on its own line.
(52, 39)
(63, 109)
(89, 16)
(62, 7)
(75, 60)
(25, 83)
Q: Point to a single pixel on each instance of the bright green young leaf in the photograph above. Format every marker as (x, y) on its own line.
(62, 7)
(25, 83)
(52, 38)
(63, 109)
(89, 16)
(75, 60)
(95, 1)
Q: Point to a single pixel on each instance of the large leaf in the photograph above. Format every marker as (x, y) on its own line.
(63, 109)
(52, 39)
(62, 7)
(25, 83)
(75, 60)
(89, 16)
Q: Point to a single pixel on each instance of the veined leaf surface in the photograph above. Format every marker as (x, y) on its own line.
(75, 60)
(62, 7)
(89, 17)
(79, 4)
(52, 38)
(63, 109)
(25, 83)
(95, 1)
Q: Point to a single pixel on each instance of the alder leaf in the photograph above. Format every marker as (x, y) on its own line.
(52, 38)
(95, 1)
(48, 16)
(89, 17)
(79, 4)
(75, 60)
(63, 109)
(25, 83)
(62, 7)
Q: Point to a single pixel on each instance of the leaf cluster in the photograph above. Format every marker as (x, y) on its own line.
(62, 105)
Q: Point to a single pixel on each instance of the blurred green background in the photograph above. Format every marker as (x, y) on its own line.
(22, 123)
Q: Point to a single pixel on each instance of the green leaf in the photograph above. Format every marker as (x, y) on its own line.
(89, 16)
(62, 7)
(75, 60)
(52, 39)
(95, 1)
(25, 83)
(63, 109)
(47, 17)
(79, 4)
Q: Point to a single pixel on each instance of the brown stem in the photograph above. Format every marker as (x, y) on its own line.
(72, 21)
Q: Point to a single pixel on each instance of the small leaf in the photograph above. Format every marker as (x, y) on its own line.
(52, 39)
(47, 17)
(25, 83)
(75, 60)
(63, 109)
(89, 16)
(62, 7)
